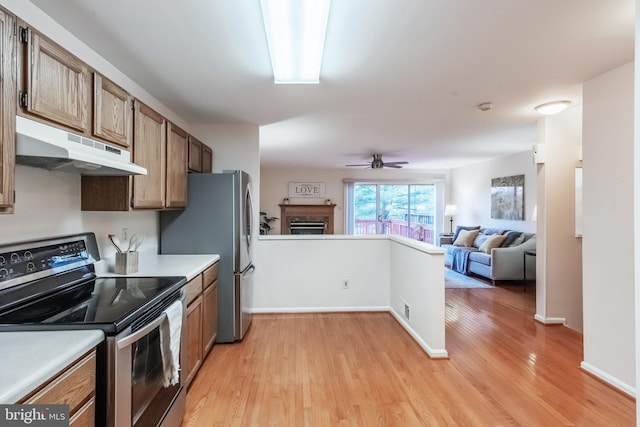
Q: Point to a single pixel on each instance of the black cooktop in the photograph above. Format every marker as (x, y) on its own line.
(108, 303)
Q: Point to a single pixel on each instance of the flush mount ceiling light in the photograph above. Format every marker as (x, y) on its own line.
(553, 107)
(295, 33)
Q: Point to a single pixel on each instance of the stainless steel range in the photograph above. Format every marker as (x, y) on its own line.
(51, 284)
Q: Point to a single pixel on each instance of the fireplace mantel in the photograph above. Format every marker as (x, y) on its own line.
(290, 213)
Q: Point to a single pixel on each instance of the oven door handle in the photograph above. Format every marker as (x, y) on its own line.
(130, 339)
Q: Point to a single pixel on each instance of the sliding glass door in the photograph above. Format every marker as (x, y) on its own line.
(396, 209)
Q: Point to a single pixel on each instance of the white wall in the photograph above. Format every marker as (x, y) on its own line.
(275, 186)
(417, 280)
(306, 274)
(608, 227)
(48, 204)
(471, 191)
(559, 259)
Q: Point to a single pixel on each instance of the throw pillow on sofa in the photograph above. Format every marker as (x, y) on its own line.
(511, 237)
(464, 227)
(466, 238)
(493, 241)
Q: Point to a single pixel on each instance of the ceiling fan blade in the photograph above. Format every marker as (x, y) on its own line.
(391, 165)
(364, 164)
(395, 163)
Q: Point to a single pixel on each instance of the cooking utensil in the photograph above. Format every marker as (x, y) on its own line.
(115, 242)
(134, 242)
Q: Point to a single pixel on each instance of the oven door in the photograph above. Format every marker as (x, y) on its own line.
(136, 394)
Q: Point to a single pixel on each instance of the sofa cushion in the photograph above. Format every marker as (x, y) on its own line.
(480, 257)
(510, 237)
(491, 242)
(465, 238)
(479, 240)
(490, 231)
(518, 241)
(464, 227)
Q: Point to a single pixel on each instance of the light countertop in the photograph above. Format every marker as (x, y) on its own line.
(153, 264)
(29, 359)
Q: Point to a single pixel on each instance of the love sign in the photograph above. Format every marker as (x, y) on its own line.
(307, 189)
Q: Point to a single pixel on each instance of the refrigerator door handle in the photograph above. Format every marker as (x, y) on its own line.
(249, 269)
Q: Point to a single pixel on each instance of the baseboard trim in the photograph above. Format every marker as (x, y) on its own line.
(431, 352)
(608, 379)
(550, 320)
(315, 309)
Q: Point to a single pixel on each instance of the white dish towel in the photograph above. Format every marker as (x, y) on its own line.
(170, 329)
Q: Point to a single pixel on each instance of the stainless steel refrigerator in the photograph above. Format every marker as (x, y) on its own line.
(218, 220)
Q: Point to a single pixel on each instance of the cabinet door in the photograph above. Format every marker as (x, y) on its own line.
(177, 153)
(57, 85)
(112, 114)
(7, 110)
(149, 151)
(209, 317)
(195, 155)
(194, 339)
(207, 159)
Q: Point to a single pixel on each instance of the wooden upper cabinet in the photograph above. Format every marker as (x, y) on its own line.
(58, 83)
(7, 110)
(112, 113)
(207, 159)
(177, 154)
(195, 154)
(149, 151)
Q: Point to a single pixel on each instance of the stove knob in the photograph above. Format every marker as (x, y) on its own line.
(3, 273)
(31, 267)
(28, 255)
(2, 260)
(15, 258)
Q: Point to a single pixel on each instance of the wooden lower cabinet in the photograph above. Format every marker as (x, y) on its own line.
(202, 319)
(209, 316)
(194, 339)
(85, 417)
(75, 386)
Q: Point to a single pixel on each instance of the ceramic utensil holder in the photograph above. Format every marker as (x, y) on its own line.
(126, 262)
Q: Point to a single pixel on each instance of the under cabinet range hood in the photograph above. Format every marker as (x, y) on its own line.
(44, 146)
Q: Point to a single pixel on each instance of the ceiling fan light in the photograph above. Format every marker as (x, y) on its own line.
(553, 107)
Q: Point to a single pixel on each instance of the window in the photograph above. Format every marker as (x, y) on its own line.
(390, 208)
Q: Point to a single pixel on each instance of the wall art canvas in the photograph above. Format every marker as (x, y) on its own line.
(507, 198)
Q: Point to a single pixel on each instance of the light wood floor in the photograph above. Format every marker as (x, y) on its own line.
(363, 369)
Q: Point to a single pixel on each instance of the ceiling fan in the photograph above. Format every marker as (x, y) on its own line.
(377, 163)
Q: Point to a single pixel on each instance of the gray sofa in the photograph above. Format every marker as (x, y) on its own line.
(503, 263)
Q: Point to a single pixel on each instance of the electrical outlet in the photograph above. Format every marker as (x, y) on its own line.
(125, 234)
(407, 311)
(345, 284)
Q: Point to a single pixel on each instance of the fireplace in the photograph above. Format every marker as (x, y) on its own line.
(306, 219)
(303, 226)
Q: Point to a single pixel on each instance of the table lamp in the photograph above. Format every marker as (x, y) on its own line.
(451, 211)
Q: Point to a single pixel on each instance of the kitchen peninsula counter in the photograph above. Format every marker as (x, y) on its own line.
(29, 359)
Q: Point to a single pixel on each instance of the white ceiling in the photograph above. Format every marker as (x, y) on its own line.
(399, 77)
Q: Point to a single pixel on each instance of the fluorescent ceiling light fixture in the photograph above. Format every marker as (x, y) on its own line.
(295, 33)
(553, 107)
